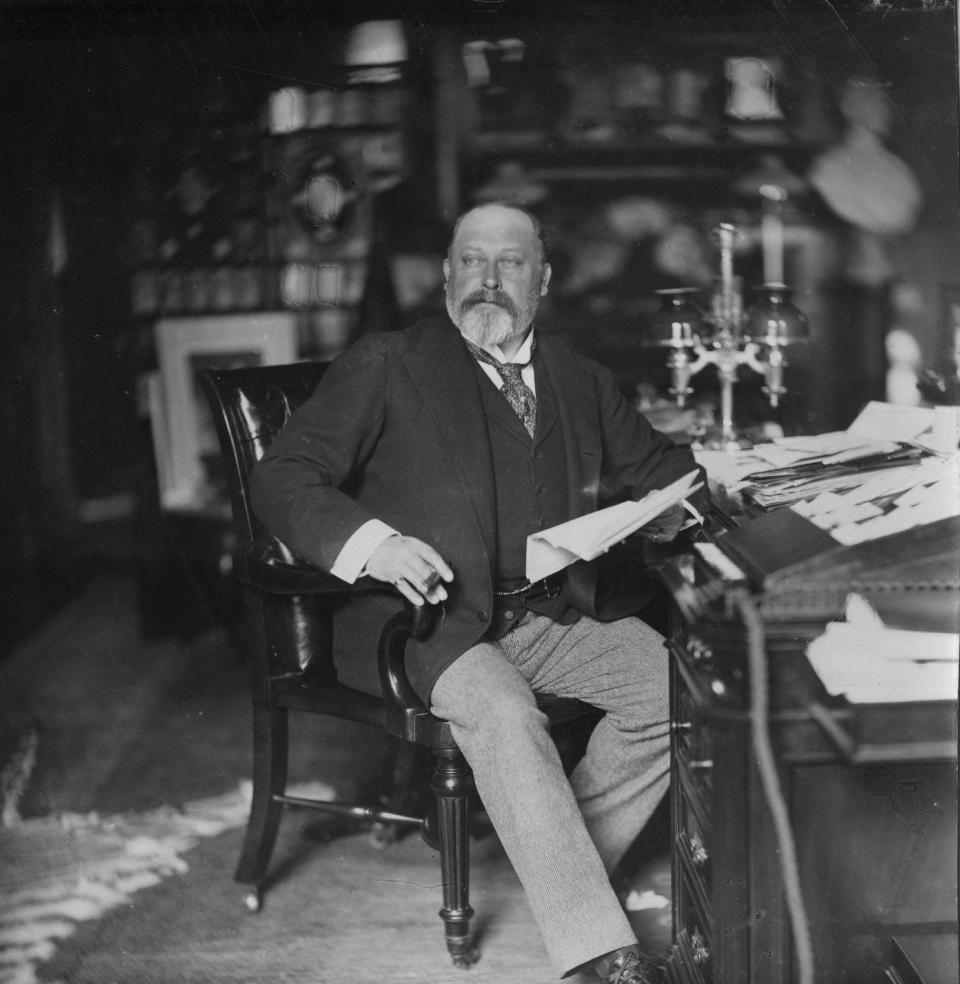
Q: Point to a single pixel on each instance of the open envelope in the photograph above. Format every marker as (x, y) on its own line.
(587, 537)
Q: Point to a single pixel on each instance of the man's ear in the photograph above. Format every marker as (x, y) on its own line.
(545, 278)
(446, 270)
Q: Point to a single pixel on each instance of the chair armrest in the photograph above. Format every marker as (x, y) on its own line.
(415, 621)
(258, 565)
(261, 566)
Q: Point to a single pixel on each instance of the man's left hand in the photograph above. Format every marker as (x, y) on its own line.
(666, 526)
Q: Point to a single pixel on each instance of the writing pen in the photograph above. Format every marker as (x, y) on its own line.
(820, 479)
(819, 468)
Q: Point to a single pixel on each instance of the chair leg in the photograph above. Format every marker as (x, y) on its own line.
(400, 791)
(452, 784)
(270, 744)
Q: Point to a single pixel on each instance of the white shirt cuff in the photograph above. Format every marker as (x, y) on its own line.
(356, 551)
(695, 514)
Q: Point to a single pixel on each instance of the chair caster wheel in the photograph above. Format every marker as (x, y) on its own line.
(466, 959)
(253, 900)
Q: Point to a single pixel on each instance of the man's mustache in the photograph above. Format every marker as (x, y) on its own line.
(497, 297)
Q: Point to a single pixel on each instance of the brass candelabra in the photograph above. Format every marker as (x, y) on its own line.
(728, 335)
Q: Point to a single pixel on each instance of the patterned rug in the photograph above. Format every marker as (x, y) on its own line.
(63, 871)
(149, 898)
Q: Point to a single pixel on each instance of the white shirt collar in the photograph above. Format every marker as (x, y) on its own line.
(521, 356)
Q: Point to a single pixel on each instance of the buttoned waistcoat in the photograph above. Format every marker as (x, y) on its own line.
(396, 431)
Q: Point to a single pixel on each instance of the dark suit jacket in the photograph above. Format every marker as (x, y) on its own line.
(396, 431)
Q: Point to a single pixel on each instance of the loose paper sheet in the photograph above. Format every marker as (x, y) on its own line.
(869, 663)
(587, 537)
(729, 468)
(890, 422)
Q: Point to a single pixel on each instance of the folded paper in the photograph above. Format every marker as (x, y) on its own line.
(587, 537)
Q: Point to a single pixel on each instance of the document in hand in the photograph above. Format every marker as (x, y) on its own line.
(589, 536)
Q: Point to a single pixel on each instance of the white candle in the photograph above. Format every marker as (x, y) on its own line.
(726, 257)
(726, 233)
(771, 233)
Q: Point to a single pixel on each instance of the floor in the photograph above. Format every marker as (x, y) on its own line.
(124, 724)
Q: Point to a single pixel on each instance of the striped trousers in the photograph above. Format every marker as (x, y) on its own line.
(564, 836)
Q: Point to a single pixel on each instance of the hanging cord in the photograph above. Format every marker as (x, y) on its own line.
(763, 750)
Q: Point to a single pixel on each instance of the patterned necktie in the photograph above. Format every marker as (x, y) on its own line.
(518, 394)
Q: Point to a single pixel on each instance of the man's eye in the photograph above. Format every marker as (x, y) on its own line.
(470, 260)
(510, 261)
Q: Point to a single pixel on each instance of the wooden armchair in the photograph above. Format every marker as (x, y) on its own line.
(287, 612)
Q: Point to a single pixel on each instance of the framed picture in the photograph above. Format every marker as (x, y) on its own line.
(185, 440)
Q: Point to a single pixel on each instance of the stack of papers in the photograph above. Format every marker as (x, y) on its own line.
(867, 663)
(815, 475)
(587, 537)
(893, 469)
(888, 502)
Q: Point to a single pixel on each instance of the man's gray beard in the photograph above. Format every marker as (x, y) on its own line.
(486, 324)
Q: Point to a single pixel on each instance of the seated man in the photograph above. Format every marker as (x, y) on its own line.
(424, 459)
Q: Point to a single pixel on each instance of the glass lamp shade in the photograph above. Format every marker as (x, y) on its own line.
(678, 322)
(773, 319)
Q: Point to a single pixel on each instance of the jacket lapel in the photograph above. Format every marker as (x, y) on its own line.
(445, 378)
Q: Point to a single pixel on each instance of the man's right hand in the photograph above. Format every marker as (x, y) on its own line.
(412, 566)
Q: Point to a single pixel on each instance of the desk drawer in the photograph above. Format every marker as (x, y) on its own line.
(694, 932)
(693, 844)
(693, 745)
(680, 966)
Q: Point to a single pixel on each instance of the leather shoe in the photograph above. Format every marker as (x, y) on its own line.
(628, 965)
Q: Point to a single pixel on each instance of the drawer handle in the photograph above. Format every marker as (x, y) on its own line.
(699, 650)
(700, 952)
(698, 852)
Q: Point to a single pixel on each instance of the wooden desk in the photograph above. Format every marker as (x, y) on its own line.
(871, 793)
